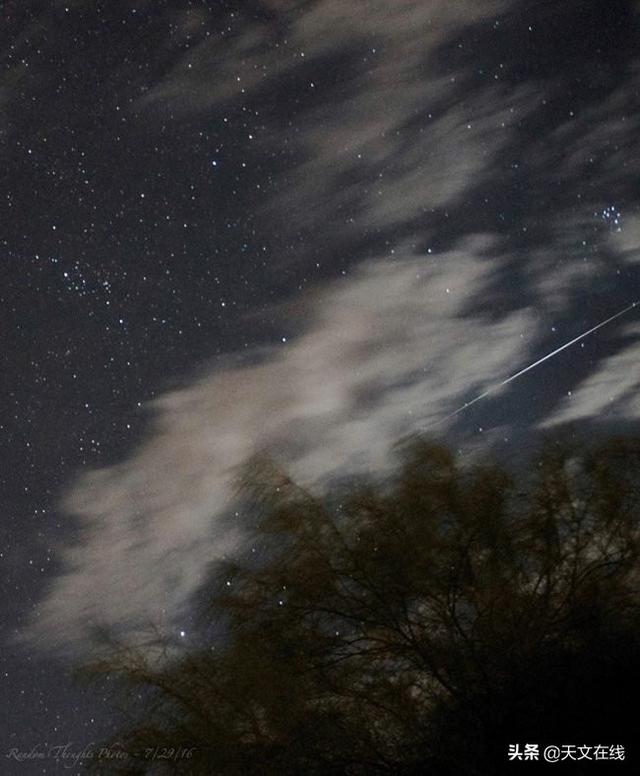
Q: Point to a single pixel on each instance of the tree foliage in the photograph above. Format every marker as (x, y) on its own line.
(413, 626)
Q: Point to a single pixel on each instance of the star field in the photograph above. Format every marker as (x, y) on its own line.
(180, 182)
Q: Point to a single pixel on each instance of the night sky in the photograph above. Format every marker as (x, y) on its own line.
(306, 226)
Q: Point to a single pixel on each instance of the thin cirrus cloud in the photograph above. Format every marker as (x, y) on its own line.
(369, 153)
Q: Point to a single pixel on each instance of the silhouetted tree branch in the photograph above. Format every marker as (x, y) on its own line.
(412, 626)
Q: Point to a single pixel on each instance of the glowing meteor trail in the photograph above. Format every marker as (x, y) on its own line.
(553, 353)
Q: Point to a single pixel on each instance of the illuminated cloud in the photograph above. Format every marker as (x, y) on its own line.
(386, 138)
(609, 393)
(387, 351)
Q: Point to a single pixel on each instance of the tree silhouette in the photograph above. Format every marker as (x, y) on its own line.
(418, 625)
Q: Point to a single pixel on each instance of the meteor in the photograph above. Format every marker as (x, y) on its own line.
(526, 369)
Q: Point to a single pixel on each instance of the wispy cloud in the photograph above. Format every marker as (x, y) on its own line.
(393, 145)
(369, 152)
(610, 393)
(387, 351)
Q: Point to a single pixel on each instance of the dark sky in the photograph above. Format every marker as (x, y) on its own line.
(308, 226)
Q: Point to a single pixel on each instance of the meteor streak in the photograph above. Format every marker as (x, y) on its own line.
(553, 353)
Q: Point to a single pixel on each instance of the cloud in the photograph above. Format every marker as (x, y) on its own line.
(611, 392)
(410, 120)
(387, 351)
(387, 133)
(257, 50)
(626, 240)
(368, 152)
